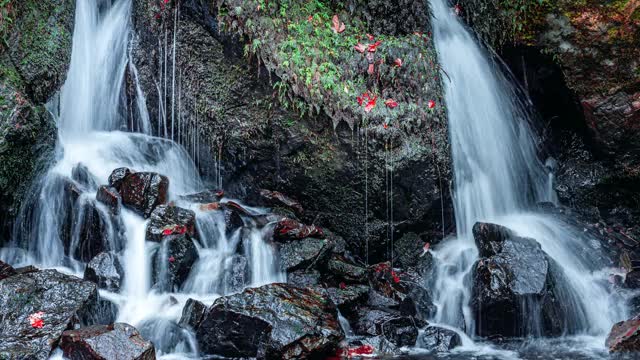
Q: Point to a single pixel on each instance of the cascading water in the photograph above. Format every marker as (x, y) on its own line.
(499, 179)
(92, 114)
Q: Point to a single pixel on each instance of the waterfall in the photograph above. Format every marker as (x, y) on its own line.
(498, 178)
(91, 144)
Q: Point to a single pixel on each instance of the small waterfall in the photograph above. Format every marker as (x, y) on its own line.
(499, 178)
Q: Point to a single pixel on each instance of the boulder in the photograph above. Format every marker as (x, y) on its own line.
(6, 270)
(278, 199)
(81, 175)
(438, 339)
(272, 321)
(512, 278)
(166, 335)
(348, 297)
(144, 191)
(101, 342)
(369, 321)
(169, 220)
(109, 196)
(398, 330)
(192, 314)
(37, 307)
(173, 261)
(236, 274)
(117, 177)
(343, 269)
(106, 271)
(304, 253)
(204, 197)
(304, 278)
(94, 231)
(625, 336)
(289, 229)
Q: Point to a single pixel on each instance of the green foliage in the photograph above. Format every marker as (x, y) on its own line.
(6, 19)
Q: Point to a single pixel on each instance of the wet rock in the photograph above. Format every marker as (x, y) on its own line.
(632, 280)
(304, 278)
(418, 301)
(169, 220)
(438, 339)
(116, 341)
(513, 278)
(164, 334)
(204, 197)
(369, 321)
(233, 214)
(6, 270)
(236, 273)
(104, 312)
(625, 336)
(348, 297)
(144, 191)
(192, 314)
(80, 174)
(398, 330)
(173, 261)
(401, 331)
(117, 177)
(274, 198)
(289, 229)
(58, 300)
(95, 231)
(376, 345)
(109, 196)
(303, 253)
(106, 271)
(344, 269)
(272, 321)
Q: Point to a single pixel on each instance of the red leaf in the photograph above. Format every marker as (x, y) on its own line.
(371, 69)
(338, 26)
(172, 259)
(431, 104)
(310, 18)
(373, 47)
(371, 104)
(385, 125)
(166, 232)
(36, 321)
(343, 286)
(426, 246)
(398, 62)
(360, 48)
(359, 98)
(370, 37)
(391, 103)
(362, 350)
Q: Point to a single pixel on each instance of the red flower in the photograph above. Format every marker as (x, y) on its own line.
(373, 47)
(36, 320)
(398, 62)
(391, 103)
(343, 286)
(338, 27)
(360, 48)
(431, 104)
(172, 259)
(371, 104)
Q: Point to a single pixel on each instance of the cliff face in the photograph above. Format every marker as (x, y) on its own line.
(281, 101)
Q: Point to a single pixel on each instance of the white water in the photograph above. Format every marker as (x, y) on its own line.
(92, 114)
(499, 178)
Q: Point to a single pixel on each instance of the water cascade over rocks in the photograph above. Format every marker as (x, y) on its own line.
(534, 275)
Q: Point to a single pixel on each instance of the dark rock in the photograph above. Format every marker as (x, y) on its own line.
(304, 253)
(632, 280)
(400, 331)
(116, 341)
(236, 274)
(169, 220)
(289, 229)
(94, 231)
(437, 339)
(418, 301)
(348, 297)
(117, 177)
(192, 314)
(204, 197)
(233, 214)
(109, 196)
(173, 261)
(62, 299)
(341, 268)
(144, 191)
(272, 321)
(106, 271)
(369, 321)
(304, 278)
(274, 198)
(104, 312)
(6, 270)
(514, 280)
(625, 336)
(80, 174)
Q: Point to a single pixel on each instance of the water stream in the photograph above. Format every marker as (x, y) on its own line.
(499, 178)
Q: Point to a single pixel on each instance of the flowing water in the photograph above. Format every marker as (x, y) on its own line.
(93, 120)
(499, 178)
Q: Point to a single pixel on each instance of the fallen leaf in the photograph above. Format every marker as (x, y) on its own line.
(398, 62)
(431, 104)
(360, 48)
(338, 26)
(166, 232)
(371, 38)
(36, 321)
(343, 286)
(172, 259)
(373, 47)
(371, 69)
(370, 105)
(391, 103)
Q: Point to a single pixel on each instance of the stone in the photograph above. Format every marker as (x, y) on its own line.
(272, 321)
(192, 314)
(6, 270)
(342, 268)
(144, 191)
(204, 197)
(289, 229)
(81, 175)
(106, 271)
(236, 274)
(102, 342)
(169, 220)
(304, 253)
(117, 177)
(173, 261)
(438, 339)
(59, 300)
(304, 278)
(275, 198)
(109, 196)
(625, 336)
